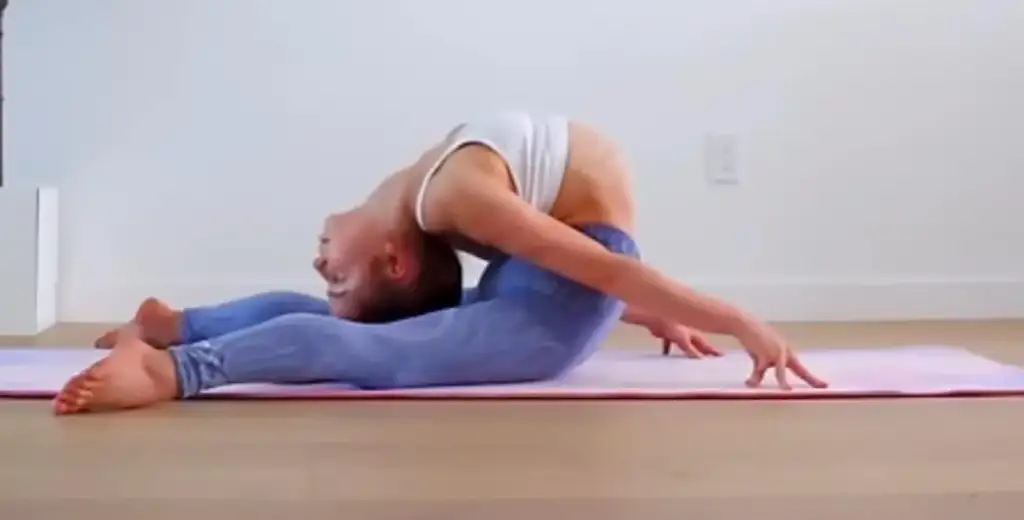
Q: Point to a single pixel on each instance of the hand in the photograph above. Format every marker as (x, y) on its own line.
(769, 350)
(692, 343)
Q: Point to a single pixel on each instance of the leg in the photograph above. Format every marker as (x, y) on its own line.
(202, 323)
(521, 324)
(469, 296)
(162, 326)
(505, 340)
(534, 325)
(513, 339)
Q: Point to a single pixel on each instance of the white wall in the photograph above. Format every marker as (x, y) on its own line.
(198, 144)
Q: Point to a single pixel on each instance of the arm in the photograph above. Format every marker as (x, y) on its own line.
(634, 315)
(482, 209)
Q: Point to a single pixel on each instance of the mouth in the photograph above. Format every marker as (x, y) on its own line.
(336, 292)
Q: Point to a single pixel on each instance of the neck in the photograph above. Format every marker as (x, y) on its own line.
(392, 203)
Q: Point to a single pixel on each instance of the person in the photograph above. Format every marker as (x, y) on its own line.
(546, 201)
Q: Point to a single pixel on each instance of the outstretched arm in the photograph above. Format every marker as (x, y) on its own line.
(479, 208)
(483, 209)
(634, 315)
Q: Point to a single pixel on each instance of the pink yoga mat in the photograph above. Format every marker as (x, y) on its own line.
(913, 371)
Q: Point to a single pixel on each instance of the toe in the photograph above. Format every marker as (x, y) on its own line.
(82, 400)
(64, 403)
(107, 340)
(77, 401)
(72, 383)
(68, 398)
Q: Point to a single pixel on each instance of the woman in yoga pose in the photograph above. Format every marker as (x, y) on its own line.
(546, 201)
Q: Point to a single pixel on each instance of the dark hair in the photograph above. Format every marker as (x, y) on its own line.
(438, 286)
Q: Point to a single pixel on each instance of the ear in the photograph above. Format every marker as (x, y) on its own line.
(398, 262)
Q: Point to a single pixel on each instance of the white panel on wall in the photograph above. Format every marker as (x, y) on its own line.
(198, 144)
(29, 269)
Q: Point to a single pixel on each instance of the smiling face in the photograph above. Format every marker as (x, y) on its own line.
(351, 259)
(376, 275)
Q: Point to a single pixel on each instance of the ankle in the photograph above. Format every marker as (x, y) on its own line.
(161, 367)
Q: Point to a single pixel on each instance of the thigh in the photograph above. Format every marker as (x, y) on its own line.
(512, 339)
(470, 295)
(489, 342)
(496, 341)
(575, 313)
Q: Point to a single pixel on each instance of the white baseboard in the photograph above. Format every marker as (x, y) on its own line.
(782, 302)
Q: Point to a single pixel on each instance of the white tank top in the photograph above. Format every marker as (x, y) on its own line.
(536, 149)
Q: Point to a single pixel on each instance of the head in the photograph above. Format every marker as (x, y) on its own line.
(376, 274)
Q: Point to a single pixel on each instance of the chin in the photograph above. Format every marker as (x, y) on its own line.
(340, 310)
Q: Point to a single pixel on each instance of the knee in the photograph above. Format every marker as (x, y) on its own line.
(578, 327)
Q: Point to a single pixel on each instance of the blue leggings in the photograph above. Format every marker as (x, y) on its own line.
(522, 323)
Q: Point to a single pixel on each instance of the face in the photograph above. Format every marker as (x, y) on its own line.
(362, 267)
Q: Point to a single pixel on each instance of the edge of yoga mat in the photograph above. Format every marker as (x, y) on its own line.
(673, 395)
(306, 393)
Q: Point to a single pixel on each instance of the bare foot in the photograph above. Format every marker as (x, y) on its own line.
(134, 375)
(160, 324)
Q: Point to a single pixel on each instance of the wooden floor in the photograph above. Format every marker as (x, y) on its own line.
(900, 459)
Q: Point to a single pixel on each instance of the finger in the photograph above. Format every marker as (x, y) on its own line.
(666, 347)
(782, 369)
(704, 347)
(761, 366)
(803, 373)
(686, 346)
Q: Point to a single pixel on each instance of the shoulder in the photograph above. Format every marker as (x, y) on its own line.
(460, 187)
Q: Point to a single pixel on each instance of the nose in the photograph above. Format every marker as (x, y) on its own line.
(320, 265)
